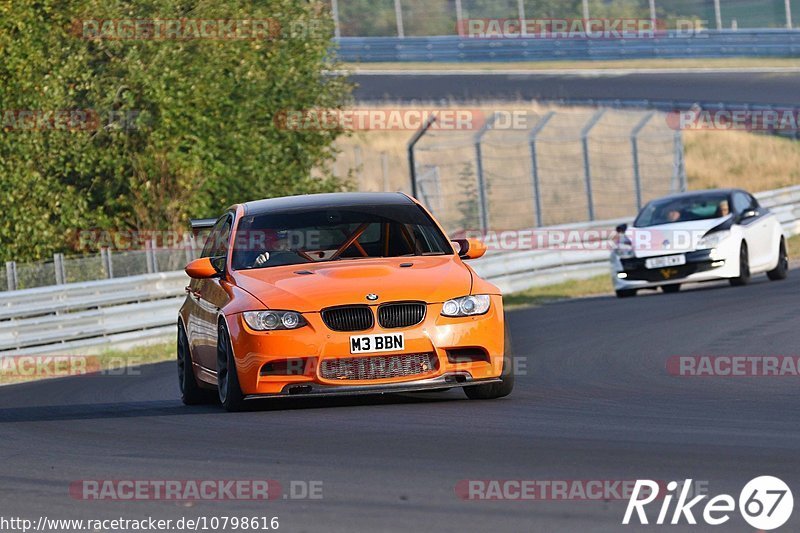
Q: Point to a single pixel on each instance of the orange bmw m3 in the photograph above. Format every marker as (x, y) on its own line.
(344, 293)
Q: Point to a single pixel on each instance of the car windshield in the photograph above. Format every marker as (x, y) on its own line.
(684, 209)
(340, 233)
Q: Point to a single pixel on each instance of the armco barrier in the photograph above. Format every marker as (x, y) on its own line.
(703, 44)
(76, 317)
(81, 317)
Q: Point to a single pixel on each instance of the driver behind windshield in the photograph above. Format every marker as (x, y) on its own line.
(275, 241)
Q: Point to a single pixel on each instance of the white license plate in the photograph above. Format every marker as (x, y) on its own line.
(667, 261)
(377, 343)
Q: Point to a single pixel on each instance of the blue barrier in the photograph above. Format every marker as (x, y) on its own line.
(705, 44)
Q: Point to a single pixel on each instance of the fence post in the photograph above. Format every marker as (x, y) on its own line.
(788, 14)
(108, 265)
(412, 165)
(188, 248)
(335, 14)
(678, 166)
(459, 18)
(148, 256)
(358, 162)
(154, 257)
(482, 198)
(587, 172)
(637, 177)
(398, 13)
(11, 275)
(718, 14)
(58, 266)
(537, 197)
(385, 171)
(585, 9)
(653, 14)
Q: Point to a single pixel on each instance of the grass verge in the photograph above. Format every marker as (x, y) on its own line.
(589, 287)
(19, 369)
(560, 291)
(793, 248)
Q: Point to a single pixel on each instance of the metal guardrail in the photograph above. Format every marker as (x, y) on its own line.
(703, 44)
(81, 317)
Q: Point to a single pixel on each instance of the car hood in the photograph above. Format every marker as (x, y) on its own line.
(311, 287)
(674, 238)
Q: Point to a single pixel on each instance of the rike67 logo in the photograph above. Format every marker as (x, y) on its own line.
(765, 503)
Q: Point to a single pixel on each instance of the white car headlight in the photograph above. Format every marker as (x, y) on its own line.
(712, 240)
(271, 320)
(623, 246)
(624, 252)
(467, 305)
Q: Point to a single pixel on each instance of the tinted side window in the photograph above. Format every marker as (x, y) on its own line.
(741, 203)
(217, 243)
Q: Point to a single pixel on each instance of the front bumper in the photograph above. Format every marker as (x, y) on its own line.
(701, 265)
(315, 343)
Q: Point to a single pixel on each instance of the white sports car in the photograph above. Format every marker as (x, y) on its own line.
(698, 236)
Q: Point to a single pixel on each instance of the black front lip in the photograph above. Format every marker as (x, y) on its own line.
(696, 261)
(446, 381)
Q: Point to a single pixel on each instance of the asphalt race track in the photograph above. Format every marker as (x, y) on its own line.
(595, 403)
(740, 87)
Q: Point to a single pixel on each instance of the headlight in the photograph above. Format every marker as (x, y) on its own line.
(270, 320)
(623, 247)
(624, 252)
(712, 240)
(467, 305)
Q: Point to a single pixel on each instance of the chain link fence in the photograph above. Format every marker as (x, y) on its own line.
(105, 265)
(572, 165)
(410, 18)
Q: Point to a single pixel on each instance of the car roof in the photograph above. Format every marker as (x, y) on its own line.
(325, 201)
(687, 194)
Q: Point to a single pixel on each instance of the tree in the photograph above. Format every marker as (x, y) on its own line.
(178, 128)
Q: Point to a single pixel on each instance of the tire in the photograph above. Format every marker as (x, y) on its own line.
(230, 393)
(782, 270)
(493, 391)
(671, 289)
(744, 268)
(626, 293)
(191, 393)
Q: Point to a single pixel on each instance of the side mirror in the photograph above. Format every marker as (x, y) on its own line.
(622, 228)
(201, 268)
(750, 213)
(470, 248)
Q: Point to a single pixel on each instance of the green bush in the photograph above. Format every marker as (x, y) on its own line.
(186, 126)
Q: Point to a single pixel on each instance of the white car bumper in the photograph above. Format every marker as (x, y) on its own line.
(701, 265)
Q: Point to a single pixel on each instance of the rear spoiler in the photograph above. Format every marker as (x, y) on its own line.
(199, 224)
(201, 228)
